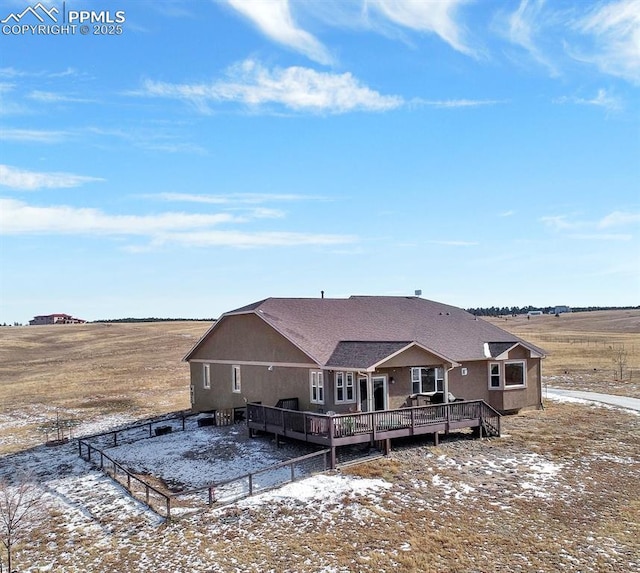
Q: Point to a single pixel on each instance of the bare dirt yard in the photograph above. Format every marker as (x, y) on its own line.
(559, 491)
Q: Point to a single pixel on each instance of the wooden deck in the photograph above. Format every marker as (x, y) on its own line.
(362, 427)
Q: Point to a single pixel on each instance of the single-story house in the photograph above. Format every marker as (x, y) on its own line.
(360, 354)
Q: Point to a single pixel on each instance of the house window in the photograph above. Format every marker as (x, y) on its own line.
(515, 374)
(235, 379)
(316, 385)
(427, 380)
(345, 390)
(351, 393)
(339, 386)
(494, 375)
(206, 376)
(512, 374)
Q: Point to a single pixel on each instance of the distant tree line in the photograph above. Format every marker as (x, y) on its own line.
(154, 319)
(512, 310)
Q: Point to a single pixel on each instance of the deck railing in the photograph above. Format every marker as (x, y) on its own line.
(337, 426)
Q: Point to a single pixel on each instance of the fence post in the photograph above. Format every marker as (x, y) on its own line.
(146, 488)
(101, 459)
(115, 439)
(129, 482)
(211, 496)
(150, 434)
(89, 452)
(168, 508)
(80, 448)
(293, 473)
(250, 484)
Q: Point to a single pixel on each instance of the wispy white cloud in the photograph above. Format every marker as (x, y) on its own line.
(583, 229)
(232, 198)
(602, 99)
(295, 88)
(252, 239)
(10, 72)
(17, 217)
(560, 222)
(601, 236)
(509, 213)
(455, 103)
(455, 243)
(9, 106)
(440, 18)
(31, 180)
(614, 29)
(275, 19)
(33, 135)
(52, 97)
(619, 219)
(172, 228)
(524, 26)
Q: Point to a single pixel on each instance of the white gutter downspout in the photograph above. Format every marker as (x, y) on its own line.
(446, 384)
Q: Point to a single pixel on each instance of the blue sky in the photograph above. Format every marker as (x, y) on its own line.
(219, 152)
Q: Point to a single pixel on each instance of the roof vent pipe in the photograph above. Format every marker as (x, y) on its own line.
(321, 294)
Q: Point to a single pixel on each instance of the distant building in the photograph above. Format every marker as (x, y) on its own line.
(560, 309)
(534, 313)
(55, 319)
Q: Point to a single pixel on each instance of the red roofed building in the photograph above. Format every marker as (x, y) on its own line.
(59, 318)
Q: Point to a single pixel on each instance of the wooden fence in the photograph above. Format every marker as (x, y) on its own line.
(166, 503)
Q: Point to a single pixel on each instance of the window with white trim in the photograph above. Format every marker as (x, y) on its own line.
(350, 388)
(235, 379)
(515, 373)
(206, 376)
(427, 380)
(494, 375)
(316, 387)
(344, 387)
(339, 380)
(508, 374)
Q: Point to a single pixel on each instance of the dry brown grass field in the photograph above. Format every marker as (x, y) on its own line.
(559, 491)
(92, 370)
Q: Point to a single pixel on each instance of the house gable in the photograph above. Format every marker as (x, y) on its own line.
(413, 354)
(246, 338)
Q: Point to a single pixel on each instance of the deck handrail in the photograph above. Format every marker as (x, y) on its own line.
(348, 424)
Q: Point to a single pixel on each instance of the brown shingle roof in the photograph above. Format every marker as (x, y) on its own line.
(356, 354)
(319, 325)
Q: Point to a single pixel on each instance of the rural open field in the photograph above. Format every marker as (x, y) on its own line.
(559, 491)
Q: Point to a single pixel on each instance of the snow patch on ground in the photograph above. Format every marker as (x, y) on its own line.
(321, 490)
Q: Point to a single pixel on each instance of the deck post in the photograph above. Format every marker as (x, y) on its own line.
(277, 439)
(333, 457)
(435, 439)
(387, 446)
(447, 418)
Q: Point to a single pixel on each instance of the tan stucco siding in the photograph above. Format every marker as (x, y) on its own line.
(414, 356)
(475, 385)
(248, 338)
(258, 384)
